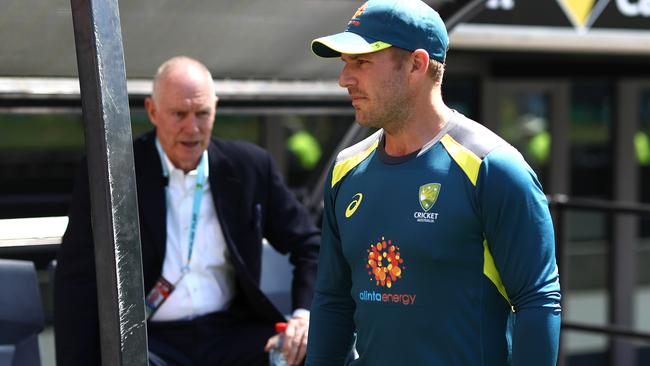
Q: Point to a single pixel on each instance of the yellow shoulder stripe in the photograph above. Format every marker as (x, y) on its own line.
(466, 159)
(342, 167)
(491, 272)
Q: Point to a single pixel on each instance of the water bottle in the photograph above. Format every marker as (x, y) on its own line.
(276, 358)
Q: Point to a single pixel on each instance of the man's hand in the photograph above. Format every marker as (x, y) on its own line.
(294, 347)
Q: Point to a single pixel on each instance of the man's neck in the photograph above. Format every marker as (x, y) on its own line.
(421, 128)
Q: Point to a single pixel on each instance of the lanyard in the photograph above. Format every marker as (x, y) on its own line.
(196, 206)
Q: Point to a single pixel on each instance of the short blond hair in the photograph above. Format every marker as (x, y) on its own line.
(435, 71)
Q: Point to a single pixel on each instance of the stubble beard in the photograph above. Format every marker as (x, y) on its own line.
(392, 109)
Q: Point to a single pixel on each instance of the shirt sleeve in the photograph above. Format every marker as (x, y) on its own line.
(331, 325)
(519, 234)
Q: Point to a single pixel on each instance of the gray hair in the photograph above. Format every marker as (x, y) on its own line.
(173, 62)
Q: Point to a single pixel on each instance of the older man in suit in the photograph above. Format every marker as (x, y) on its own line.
(204, 205)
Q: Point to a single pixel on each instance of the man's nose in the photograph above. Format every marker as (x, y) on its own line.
(346, 78)
(192, 122)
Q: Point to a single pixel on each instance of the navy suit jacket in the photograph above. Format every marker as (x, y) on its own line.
(251, 202)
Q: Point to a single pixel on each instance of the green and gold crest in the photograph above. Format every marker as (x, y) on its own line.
(429, 195)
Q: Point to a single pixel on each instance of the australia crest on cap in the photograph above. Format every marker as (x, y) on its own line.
(355, 18)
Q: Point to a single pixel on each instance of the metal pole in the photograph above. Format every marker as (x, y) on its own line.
(454, 14)
(560, 169)
(116, 229)
(623, 258)
(274, 141)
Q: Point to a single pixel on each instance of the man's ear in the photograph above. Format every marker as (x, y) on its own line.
(150, 106)
(419, 62)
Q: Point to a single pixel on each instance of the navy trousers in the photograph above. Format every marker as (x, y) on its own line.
(231, 337)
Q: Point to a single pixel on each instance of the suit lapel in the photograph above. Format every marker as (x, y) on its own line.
(225, 186)
(152, 200)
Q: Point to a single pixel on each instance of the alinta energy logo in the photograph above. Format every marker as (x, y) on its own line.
(427, 195)
(385, 266)
(583, 13)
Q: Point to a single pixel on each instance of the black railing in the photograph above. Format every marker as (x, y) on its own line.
(610, 330)
(559, 205)
(564, 202)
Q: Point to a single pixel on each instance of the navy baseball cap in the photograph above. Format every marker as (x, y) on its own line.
(379, 24)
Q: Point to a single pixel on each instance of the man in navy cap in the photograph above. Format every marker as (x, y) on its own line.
(438, 245)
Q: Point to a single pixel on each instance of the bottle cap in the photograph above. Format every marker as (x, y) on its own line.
(280, 327)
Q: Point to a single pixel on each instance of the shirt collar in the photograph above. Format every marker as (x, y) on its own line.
(171, 168)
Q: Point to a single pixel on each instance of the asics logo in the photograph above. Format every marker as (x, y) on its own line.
(352, 207)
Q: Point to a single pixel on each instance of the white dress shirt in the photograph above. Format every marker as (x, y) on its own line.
(209, 284)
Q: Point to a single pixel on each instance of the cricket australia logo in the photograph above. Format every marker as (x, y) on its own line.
(428, 195)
